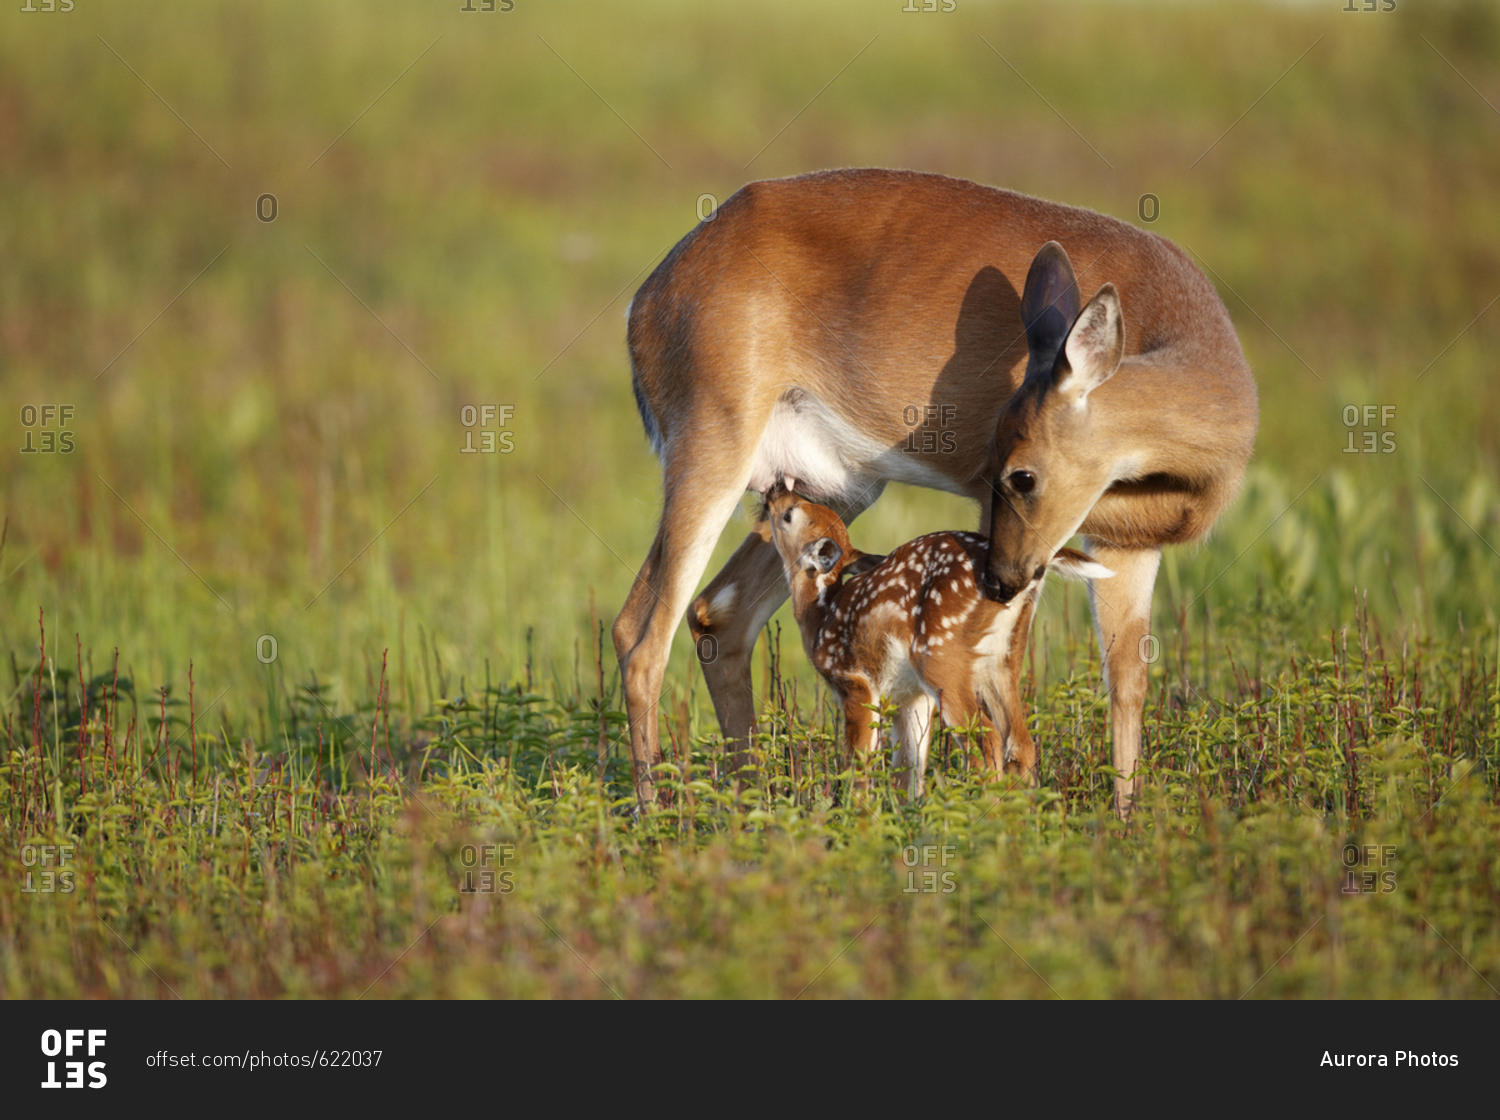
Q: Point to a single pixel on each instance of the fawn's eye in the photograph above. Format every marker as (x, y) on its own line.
(1023, 482)
(787, 517)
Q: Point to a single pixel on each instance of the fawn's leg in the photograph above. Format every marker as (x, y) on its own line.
(861, 735)
(1019, 754)
(914, 729)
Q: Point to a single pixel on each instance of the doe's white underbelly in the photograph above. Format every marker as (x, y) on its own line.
(831, 458)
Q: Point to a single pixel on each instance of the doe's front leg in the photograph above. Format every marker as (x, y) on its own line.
(1122, 613)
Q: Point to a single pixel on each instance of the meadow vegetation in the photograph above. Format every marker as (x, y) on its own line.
(315, 702)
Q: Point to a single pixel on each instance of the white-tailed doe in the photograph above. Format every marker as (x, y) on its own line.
(913, 629)
(848, 328)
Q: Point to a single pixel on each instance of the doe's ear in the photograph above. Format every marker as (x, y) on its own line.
(1095, 346)
(1049, 304)
(1077, 565)
(823, 554)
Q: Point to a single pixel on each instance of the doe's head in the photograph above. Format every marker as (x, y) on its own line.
(1046, 467)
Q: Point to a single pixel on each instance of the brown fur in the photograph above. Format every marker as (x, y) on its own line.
(862, 298)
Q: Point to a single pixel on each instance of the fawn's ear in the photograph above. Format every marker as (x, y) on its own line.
(862, 562)
(822, 555)
(1076, 565)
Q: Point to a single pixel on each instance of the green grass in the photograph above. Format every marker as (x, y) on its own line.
(264, 458)
(487, 849)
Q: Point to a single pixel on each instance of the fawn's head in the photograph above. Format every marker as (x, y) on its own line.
(812, 540)
(1045, 469)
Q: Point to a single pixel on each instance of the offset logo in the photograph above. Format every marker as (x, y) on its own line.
(47, 870)
(489, 418)
(45, 427)
(65, 1044)
(486, 870)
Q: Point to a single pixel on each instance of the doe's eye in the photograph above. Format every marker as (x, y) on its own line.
(1023, 482)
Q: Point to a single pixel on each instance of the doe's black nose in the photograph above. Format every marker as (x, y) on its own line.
(995, 588)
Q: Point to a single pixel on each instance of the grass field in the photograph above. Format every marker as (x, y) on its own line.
(305, 699)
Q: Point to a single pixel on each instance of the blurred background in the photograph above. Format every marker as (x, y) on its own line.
(259, 262)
